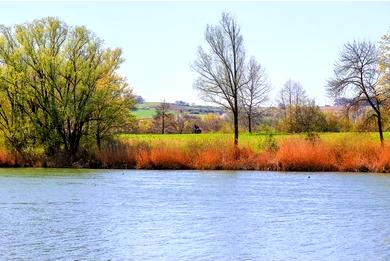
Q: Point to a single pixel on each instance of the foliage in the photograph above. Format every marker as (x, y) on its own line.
(293, 153)
(261, 151)
(211, 123)
(304, 118)
(57, 85)
(269, 144)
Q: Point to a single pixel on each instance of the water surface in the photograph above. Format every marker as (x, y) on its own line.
(57, 214)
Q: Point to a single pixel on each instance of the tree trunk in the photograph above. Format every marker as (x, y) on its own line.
(74, 143)
(163, 124)
(16, 158)
(235, 130)
(380, 129)
(249, 123)
(98, 142)
(235, 119)
(98, 138)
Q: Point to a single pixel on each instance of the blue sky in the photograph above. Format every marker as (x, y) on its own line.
(298, 40)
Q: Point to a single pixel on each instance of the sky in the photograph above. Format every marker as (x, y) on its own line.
(297, 40)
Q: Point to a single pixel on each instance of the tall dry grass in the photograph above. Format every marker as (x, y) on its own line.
(119, 154)
(338, 155)
(290, 154)
(294, 154)
(6, 159)
(303, 155)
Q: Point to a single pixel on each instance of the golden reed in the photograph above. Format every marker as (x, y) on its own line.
(294, 154)
(291, 154)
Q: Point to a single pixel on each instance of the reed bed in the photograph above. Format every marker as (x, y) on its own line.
(293, 154)
(6, 159)
(345, 154)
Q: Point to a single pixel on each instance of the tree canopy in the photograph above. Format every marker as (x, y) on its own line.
(58, 84)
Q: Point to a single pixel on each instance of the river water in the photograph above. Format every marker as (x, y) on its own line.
(57, 214)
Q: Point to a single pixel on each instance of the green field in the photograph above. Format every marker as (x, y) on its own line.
(148, 104)
(255, 140)
(144, 113)
(147, 110)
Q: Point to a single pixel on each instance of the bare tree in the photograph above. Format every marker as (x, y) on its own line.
(179, 121)
(292, 94)
(357, 74)
(255, 91)
(221, 68)
(162, 115)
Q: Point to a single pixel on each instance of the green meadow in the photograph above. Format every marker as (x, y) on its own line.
(255, 140)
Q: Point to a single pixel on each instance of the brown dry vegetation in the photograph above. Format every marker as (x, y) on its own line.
(6, 159)
(292, 154)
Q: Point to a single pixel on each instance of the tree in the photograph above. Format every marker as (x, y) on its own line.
(58, 80)
(112, 111)
(292, 94)
(162, 116)
(357, 73)
(138, 99)
(308, 118)
(179, 121)
(221, 68)
(304, 117)
(384, 61)
(211, 122)
(291, 97)
(255, 91)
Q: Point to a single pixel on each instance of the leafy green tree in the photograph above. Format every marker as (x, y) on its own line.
(112, 110)
(59, 81)
(300, 113)
(305, 117)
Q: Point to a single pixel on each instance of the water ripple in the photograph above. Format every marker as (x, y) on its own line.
(193, 215)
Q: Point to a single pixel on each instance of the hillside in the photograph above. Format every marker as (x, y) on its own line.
(147, 110)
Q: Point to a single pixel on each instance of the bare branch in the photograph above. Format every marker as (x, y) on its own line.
(357, 74)
(221, 68)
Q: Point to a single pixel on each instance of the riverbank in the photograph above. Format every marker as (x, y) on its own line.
(295, 153)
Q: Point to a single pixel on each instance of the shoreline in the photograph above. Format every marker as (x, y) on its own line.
(291, 154)
(187, 169)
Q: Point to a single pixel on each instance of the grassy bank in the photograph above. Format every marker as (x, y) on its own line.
(280, 152)
(255, 141)
(325, 152)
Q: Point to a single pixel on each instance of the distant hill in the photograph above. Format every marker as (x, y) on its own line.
(332, 108)
(147, 110)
